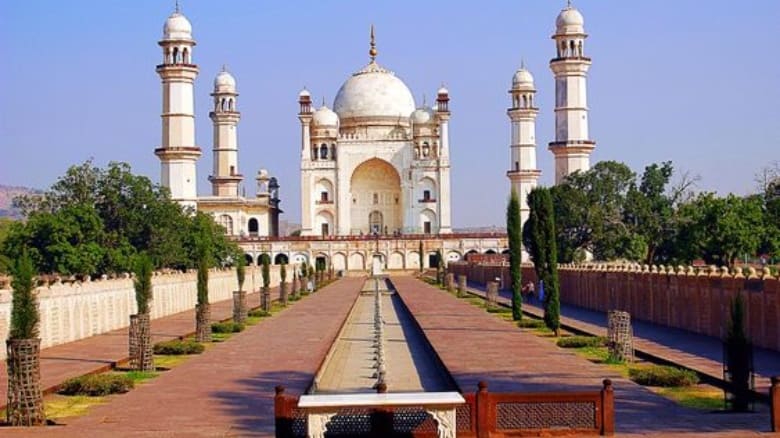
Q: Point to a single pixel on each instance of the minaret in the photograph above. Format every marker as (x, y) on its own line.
(305, 116)
(443, 117)
(572, 146)
(178, 152)
(226, 178)
(523, 173)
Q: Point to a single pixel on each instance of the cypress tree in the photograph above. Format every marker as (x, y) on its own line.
(140, 336)
(266, 272)
(540, 235)
(25, 398)
(143, 283)
(421, 256)
(738, 354)
(203, 281)
(514, 234)
(241, 271)
(24, 310)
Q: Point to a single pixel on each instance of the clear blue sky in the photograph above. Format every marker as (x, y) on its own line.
(691, 81)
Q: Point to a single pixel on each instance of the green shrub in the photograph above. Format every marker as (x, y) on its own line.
(581, 341)
(176, 347)
(97, 385)
(259, 313)
(662, 375)
(227, 327)
(530, 323)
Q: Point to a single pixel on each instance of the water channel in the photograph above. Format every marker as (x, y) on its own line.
(380, 343)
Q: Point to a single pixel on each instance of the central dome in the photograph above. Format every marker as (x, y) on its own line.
(374, 92)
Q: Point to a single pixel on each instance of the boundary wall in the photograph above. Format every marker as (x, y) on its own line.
(76, 310)
(688, 298)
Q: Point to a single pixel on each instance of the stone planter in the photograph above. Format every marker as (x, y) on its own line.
(202, 322)
(492, 295)
(265, 299)
(283, 293)
(140, 343)
(25, 399)
(449, 280)
(239, 306)
(461, 286)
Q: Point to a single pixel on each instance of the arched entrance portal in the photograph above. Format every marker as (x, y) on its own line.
(375, 189)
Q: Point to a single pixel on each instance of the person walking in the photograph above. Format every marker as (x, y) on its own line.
(529, 291)
(541, 293)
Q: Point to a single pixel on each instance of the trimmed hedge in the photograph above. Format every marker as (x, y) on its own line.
(582, 341)
(259, 313)
(227, 327)
(530, 323)
(663, 375)
(97, 385)
(177, 347)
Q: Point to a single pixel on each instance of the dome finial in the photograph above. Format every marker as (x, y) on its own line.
(224, 67)
(424, 100)
(177, 8)
(372, 52)
(522, 63)
(568, 4)
(323, 100)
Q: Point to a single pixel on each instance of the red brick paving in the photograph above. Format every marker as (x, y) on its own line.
(99, 352)
(475, 345)
(698, 352)
(228, 390)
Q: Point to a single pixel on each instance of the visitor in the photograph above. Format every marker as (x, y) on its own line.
(541, 292)
(529, 291)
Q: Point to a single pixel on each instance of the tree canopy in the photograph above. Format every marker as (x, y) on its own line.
(94, 221)
(612, 213)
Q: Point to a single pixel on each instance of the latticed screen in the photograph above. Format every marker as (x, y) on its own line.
(463, 417)
(412, 419)
(548, 415)
(299, 423)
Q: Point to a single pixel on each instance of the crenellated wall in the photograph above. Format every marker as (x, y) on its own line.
(693, 299)
(76, 310)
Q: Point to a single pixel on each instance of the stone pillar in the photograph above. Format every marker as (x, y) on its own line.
(461, 286)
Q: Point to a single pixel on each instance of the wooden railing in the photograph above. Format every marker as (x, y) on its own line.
(548, 413)
(483, 415)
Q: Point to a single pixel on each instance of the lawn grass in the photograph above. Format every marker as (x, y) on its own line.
(168, 360)
(61, 406)
(252, 320)
(702, 397)
(220, 337)
(139, 376)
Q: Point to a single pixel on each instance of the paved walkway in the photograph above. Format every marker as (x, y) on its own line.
(701, 353)
(475, 345)
(228, 390)
(102, 352)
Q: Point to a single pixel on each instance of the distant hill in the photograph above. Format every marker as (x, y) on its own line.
(7, 194)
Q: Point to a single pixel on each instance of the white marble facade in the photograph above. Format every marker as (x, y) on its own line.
(376, 163)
